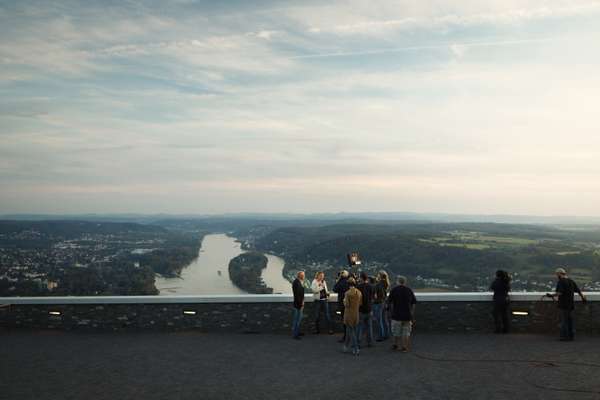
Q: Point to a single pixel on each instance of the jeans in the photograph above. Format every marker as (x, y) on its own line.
(322, 307)
(380, 320)
(365, 323)
(351, 337)
(296, 320)
(567, 330)
(501, 316)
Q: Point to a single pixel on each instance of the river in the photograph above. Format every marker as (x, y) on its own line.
(209, 273)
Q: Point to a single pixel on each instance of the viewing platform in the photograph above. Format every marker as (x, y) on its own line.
(194, 347)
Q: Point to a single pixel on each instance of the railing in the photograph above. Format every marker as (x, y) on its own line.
(265, 298)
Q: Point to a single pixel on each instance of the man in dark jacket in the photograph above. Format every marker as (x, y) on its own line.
(366, 309)
(565, 291)
(341, 287)
(298, 290)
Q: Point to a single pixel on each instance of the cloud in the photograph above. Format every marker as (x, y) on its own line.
(198, 109)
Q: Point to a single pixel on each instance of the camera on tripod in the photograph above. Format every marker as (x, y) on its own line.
(354, 259)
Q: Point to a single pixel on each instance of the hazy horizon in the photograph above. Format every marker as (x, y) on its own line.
(186, 107)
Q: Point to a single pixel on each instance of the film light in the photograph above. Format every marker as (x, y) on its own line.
(54, 312)
(189, 312)
(520, 313)
(354, 259)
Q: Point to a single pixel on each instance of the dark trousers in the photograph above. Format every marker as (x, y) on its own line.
(567, 330)
(501, 316)
(341, 309)
(322, 307)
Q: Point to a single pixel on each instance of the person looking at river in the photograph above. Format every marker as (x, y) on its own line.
(382, 286)
(565, 291)
(501, 287)
(321, 296)
(341, 286)
(298, 290)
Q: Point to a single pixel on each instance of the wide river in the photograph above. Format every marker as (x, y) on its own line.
(209, 273)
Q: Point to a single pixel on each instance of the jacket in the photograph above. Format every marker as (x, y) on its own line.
(298, 290)
(317, 287)
(352, 302)
(366, 289)
(340, 288)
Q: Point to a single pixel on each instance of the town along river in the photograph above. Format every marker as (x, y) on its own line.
(209, 273)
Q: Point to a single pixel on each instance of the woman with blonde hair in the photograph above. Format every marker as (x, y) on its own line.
(382, 288)
(321, 296)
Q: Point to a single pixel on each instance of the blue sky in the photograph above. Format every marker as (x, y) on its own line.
(210, 107)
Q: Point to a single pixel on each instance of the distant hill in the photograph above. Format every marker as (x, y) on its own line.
(299, 218)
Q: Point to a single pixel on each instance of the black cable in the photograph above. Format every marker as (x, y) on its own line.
(546, 363)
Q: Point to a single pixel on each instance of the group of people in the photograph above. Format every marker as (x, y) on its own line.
(364, 301)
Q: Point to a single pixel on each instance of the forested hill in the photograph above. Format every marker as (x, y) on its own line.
(69, 229)
(461, 256)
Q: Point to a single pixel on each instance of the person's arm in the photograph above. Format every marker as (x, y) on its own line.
(580, 293)
(413, 306)
(557, 291)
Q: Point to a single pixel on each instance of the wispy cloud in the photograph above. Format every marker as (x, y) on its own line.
(454, 47)
(200, 107)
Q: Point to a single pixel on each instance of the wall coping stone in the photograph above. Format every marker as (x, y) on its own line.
(265, 298)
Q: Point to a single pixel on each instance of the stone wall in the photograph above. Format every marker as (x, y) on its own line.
(271, 313)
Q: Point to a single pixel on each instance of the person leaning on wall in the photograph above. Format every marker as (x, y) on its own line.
(565, 291)
(501, 287)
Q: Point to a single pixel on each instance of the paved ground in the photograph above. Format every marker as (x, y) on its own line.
(86, 366)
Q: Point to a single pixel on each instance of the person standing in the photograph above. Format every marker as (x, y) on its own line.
(402, 301)
(321, 296)
(501, 287)
(341, 286)
(382, 286)
(298, 290)
(366, 309)
(565, 291)
(352, 302)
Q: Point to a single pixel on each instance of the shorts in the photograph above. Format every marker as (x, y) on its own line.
(401, 328)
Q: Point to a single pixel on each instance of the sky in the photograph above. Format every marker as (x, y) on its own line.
(474, 106)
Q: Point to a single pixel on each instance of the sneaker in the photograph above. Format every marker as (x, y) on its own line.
(345, 349)
(380, 340)
(356, 352)
(404, 350)
(394, 347)
(331, 332)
